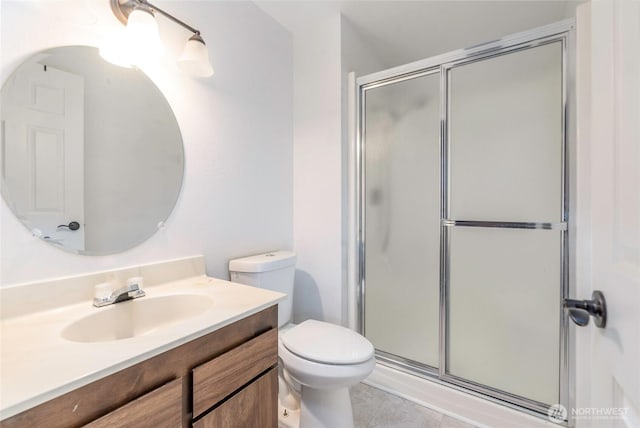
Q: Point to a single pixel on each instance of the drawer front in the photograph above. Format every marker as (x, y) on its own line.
(160, 407)
(256, 406)
(216, 379)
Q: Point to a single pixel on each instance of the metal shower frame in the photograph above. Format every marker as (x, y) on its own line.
(562, 32)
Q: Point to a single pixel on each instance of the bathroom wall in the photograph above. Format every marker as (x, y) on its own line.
(326, 48)
(317, 171)
(237, 129)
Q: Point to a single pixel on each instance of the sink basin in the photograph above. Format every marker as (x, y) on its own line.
(136, 317)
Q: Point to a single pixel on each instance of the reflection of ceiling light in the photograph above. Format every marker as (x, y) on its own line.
(143, 39)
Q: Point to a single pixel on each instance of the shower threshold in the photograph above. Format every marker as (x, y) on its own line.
(452, 401)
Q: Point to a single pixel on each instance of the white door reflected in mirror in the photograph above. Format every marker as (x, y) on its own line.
(45, 168)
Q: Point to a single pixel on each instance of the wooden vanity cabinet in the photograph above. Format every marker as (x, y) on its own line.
(161, 407)
(248, 408)
(222, 376)
(226, 379)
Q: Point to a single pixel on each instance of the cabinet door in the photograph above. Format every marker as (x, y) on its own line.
(161, 407)
(255, 406)
(220, 377)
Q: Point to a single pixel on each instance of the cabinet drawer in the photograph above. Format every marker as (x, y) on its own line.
(256, 406)
(160, 407)
(216, 379)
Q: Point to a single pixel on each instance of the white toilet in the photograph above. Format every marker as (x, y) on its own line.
(321, 360)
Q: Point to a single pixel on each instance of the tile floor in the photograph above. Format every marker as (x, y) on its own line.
(373, 408)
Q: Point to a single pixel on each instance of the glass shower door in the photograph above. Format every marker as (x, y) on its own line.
(463, 218)
(402, 158)
(504, 222)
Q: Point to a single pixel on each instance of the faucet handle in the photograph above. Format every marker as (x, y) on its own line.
(102, 292)
(135, 285)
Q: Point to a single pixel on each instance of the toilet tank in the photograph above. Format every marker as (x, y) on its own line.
(273, 271)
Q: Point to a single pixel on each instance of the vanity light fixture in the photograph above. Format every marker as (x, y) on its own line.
(142, 35)
(144, 40)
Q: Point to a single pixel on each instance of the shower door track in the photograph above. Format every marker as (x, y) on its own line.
(562, 32)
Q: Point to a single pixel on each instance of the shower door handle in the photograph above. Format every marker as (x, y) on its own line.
(581, 310)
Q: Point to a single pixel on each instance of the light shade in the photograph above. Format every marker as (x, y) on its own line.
(195, 58)
(143, 36)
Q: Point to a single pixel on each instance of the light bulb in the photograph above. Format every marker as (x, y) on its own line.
(143, 37)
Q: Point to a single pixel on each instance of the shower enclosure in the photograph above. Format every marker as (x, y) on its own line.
(463, 217)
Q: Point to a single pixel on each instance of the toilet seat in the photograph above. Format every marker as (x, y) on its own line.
(324, 376)
(327, 343)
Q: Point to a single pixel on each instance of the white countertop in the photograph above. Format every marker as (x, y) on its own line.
(38, 364)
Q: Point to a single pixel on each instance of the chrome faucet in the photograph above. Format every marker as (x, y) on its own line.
(128, 292)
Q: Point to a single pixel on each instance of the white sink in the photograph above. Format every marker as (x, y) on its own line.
(136, 317)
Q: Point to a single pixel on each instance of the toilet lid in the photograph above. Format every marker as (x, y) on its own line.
(327, 343)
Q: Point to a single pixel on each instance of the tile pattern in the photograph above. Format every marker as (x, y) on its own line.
(373, 408)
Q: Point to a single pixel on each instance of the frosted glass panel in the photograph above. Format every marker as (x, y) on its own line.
(504, 300)
(506, 137)
(402, 164)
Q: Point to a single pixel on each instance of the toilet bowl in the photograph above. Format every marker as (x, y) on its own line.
(319, 360)
(325, 360)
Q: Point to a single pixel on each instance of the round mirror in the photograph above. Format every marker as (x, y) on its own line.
(91, 156)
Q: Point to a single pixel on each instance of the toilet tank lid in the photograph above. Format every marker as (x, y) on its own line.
(263, 262)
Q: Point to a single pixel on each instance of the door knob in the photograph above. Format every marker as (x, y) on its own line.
(74, 225)
(581, 310)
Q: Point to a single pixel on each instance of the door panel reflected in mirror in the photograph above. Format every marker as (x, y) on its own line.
(89, 142)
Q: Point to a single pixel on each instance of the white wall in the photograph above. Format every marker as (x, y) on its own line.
(317, 171)
(236, 126)
(326, 49)
(356, 54)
